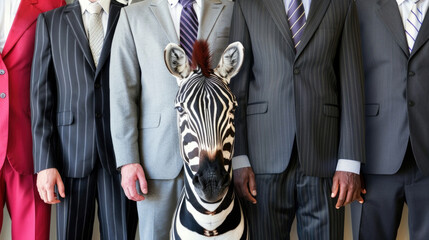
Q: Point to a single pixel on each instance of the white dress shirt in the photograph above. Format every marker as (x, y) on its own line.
(345, 165)
(105, 5)
(405, 7)
(176, 11)
(8, 9)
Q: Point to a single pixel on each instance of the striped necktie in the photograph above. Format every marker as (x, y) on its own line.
(413, 24)
(95, 31)
(296, 19)
(188, 27)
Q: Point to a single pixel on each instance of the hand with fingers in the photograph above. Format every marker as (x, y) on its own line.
(244, 183)
(131, 173)
(46, 181)
(348, 186)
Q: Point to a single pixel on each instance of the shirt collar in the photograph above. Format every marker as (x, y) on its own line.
(105, 4)
(400, 2)
(173, 3)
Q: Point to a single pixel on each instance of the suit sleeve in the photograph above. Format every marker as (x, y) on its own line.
(125, 92)
(240, 83)
(352, 140)
(42, 88)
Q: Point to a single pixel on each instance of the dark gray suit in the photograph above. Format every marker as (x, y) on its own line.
(312, 97)
(71, 124)
(397, 117)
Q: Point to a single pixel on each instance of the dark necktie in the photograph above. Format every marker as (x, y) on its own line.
(188, 27)
(296, 19)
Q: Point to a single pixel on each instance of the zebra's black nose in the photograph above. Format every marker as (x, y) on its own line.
(212, 180)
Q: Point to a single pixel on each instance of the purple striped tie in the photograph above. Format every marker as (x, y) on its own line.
(296, 18)
(188, 27)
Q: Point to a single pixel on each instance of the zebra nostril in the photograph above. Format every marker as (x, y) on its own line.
(196, 181)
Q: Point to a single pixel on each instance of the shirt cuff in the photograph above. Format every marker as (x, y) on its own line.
(241, 161)
(346, 165)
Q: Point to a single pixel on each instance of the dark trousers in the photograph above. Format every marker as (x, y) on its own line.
(75, 214)
(283, 196)
(386, 194)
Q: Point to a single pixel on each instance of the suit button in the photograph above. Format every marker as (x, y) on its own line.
(411, 73)
(97, 86)
(98, 115)
(296, 71)
(411, 103)
(2, 95)
(2, 72)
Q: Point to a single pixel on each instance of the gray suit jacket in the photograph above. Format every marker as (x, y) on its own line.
(314, 95)
(396, 88)
(69, 95)
(144, 128)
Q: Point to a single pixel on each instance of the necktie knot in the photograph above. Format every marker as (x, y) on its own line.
(186, 3)
(94, 8)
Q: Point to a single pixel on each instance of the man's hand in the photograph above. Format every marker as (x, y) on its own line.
(349, 186)
(245, 185)
(130, 174)
(46, 181)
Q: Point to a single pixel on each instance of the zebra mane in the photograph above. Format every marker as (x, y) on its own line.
(201, 57)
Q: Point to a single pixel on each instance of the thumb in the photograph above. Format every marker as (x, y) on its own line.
(334, 187)
(60, 185)
(142, 182)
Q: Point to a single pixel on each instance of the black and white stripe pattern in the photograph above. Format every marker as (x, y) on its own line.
(207, 118)
(208, 208)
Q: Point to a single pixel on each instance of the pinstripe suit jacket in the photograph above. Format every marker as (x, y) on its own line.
(396, 88)
(69, 95)
(314, 95)
(144, 121)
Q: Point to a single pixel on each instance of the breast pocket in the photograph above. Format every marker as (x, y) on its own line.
(150, 120)
(65, 118)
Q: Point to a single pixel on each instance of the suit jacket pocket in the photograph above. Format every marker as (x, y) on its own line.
(331, 110)
(372, 110)
(257, 108)
(150, 120)
(64, 118)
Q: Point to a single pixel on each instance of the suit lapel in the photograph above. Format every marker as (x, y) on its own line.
(277, 10)
(423, 35)
(389, 14)
(73, 16)
(315, 16)
(160, 9)
(210, 12)
(115, 9)
(25, 16)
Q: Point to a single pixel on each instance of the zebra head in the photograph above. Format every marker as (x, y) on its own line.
(205, 107)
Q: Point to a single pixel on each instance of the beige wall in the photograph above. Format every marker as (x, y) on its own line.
(403, 229)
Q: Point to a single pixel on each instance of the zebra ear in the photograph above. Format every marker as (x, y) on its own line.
(177, 62)
(231, 61)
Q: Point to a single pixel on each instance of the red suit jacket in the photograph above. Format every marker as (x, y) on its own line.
(15, 69)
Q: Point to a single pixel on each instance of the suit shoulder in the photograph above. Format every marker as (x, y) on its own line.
(137, 8)
(47, 5)
(228, 3)
(54, 13)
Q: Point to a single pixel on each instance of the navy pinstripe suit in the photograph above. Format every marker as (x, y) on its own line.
(299, 112)
(71, 125)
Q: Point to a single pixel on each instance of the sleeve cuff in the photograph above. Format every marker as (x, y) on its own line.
(346, 165)
(241, 161)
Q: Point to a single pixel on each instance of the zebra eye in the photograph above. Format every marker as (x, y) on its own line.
(180, 109)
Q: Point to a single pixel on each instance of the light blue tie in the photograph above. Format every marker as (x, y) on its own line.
(413, 24)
